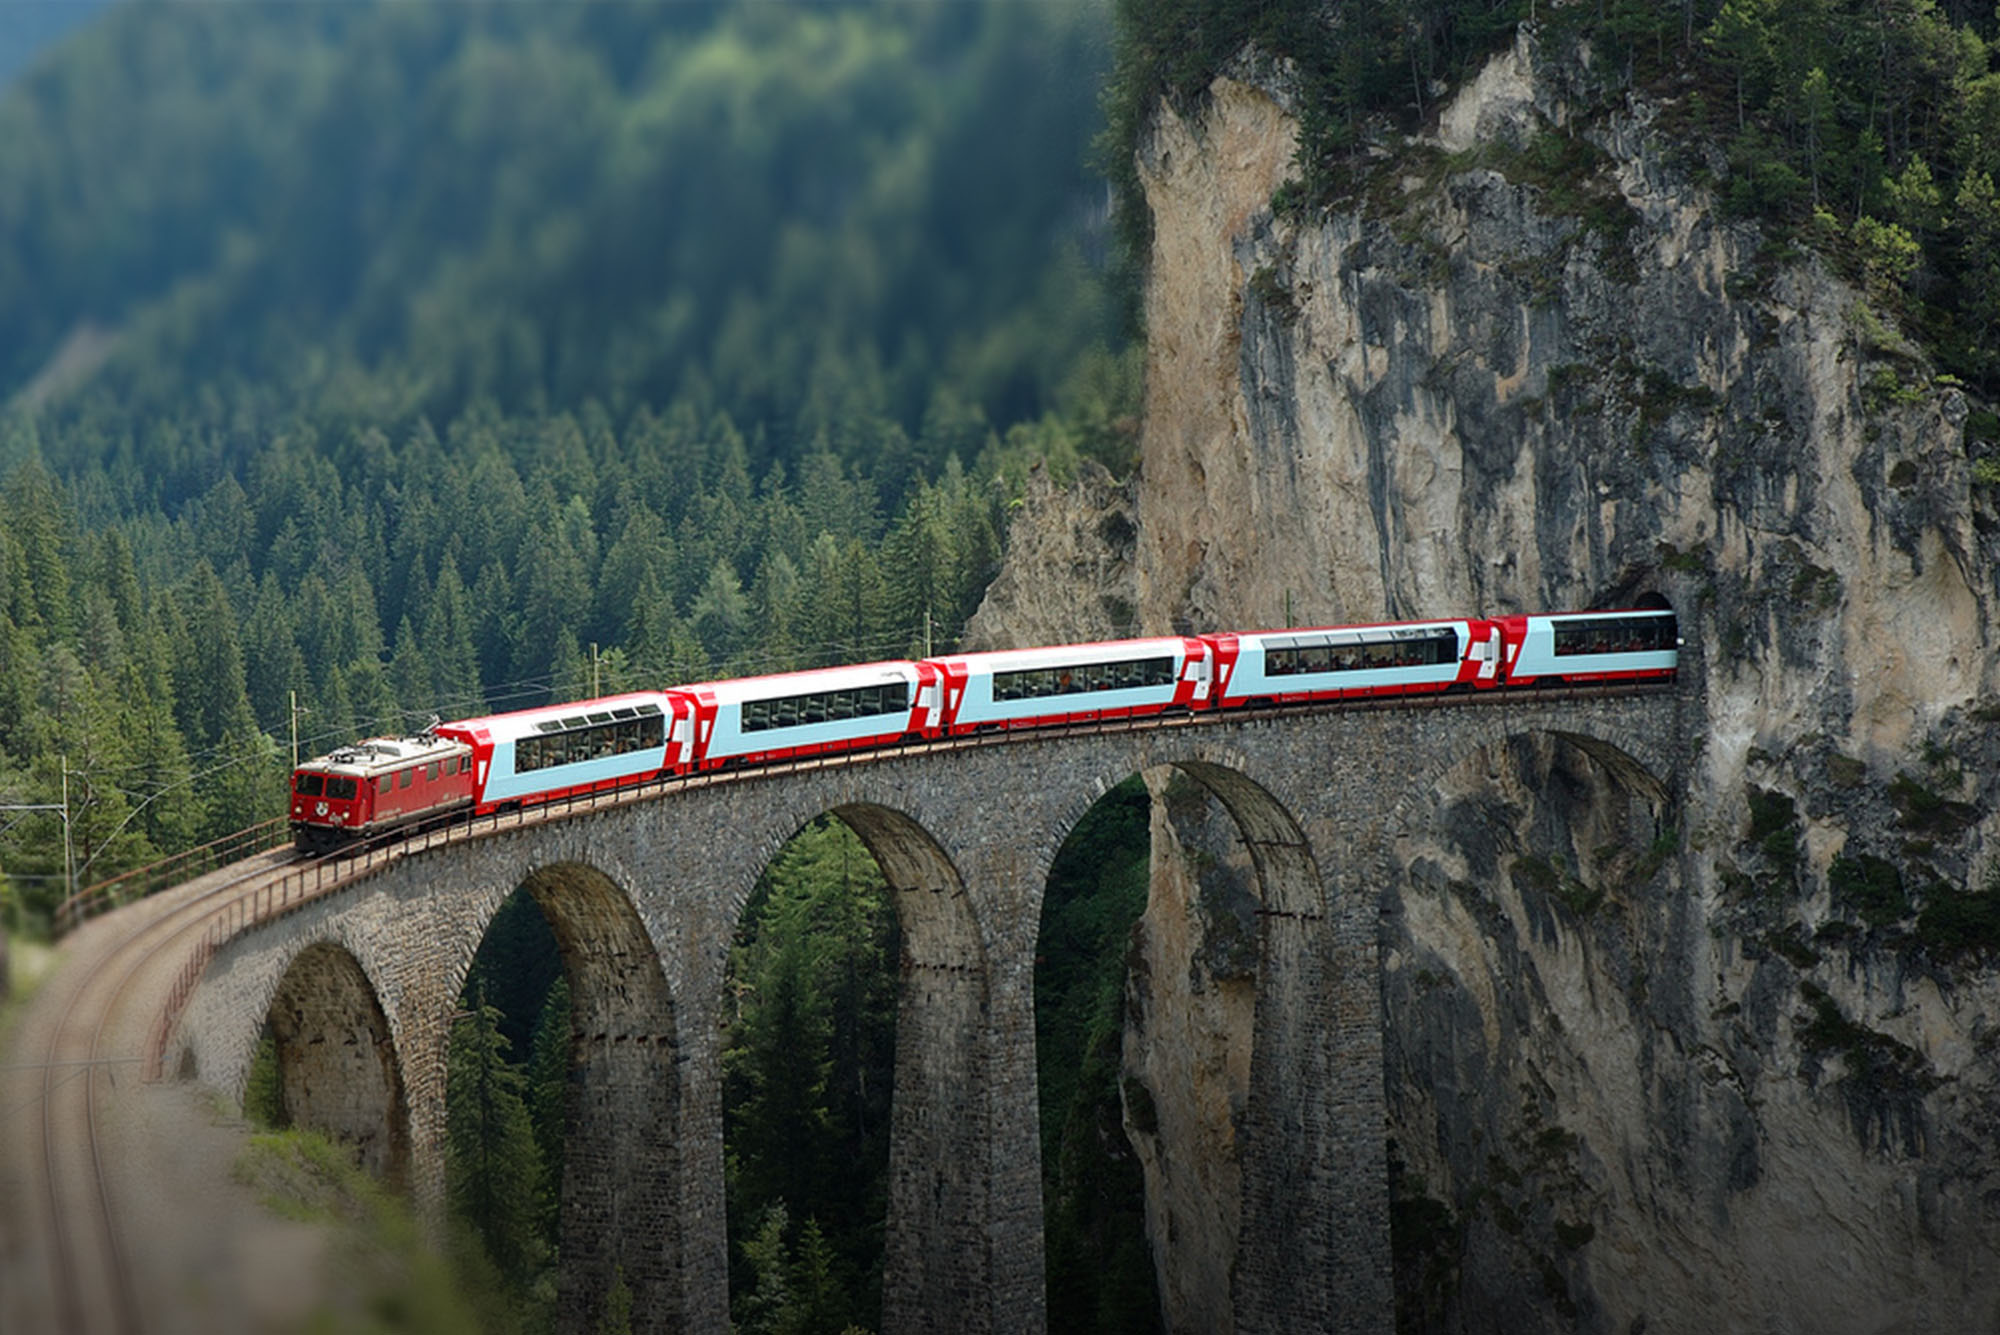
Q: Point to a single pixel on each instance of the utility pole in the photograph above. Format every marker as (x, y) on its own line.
(296, 711)
(69, 856)
(595, 689)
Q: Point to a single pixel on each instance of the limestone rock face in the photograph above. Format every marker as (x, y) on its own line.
(1675, 1053)
(1069, 574)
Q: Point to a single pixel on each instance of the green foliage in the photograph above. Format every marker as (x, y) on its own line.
(493, 1174)
(1922, 810)
(808, 1066)
(387, 1278)
(1774, 826)
(1955, 924)
(1869, 886)
(263, 1091)
(1099, 1271)
(382, 213)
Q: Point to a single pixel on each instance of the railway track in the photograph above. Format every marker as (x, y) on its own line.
(77, 1049)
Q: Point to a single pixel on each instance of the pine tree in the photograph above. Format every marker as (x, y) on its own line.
(548, 1098)
(448, 641)
(493, 1173)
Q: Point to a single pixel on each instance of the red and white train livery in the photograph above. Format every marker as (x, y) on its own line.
(539, 755)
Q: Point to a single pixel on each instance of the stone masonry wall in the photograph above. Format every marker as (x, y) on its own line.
(645, 899)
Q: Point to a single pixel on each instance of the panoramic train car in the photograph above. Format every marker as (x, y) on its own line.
(380, 784)
(1552, 648)
(1032, 688)
(787, 714)
(1329, 662)
(542, 754)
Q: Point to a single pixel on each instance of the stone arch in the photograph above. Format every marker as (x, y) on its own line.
(1223, 1078)
(338, 1069)
(621, 1220)
(935, 1250)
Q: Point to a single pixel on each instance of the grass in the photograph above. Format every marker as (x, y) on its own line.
(387, 1277)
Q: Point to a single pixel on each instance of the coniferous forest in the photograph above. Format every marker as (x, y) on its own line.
(365, 363)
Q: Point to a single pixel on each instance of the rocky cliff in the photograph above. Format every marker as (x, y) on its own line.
(1717, 1055)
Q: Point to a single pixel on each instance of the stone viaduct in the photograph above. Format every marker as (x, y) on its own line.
(360, 987)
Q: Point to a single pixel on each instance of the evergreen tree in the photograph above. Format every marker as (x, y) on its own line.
(493, 1173)
(209, 682)
(447, 639)
(721, 615)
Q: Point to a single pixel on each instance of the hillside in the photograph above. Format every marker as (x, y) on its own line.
(366, 362)
(1621, 303)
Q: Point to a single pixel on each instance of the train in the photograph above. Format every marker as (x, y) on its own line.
(529, 756)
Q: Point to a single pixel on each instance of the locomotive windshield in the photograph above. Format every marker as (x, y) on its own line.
(308, 783)
(340, 788)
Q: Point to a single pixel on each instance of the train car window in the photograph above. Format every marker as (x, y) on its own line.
(1616, 635)
(792, 711)
(1425, 648)
(309, 785)
(1115, 675)
(626, 731)
(432, 776)
(340, 789)
(386, 782)
(403, 780)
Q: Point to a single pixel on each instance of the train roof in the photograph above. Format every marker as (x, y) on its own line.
(574, 714)
(1375, 631)
(1069, 655)
(809, 682)
(383, 753)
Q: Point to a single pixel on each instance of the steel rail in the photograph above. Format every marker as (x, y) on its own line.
(59, 1097)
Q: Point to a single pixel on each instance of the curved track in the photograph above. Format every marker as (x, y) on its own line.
(77, 1046)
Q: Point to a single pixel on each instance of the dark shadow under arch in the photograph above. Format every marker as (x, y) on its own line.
(338, 1071)
(1533, 915)
(621, 1222)
(1220, 1058)
(935, 1252)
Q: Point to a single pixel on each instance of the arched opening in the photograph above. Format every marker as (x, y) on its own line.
(1528, 955)
(505, 1096)
(1212, 1038)
(808, 1062)
(1098, 1266)
(562, 1093)
(326, 1062)
(936, 1245)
